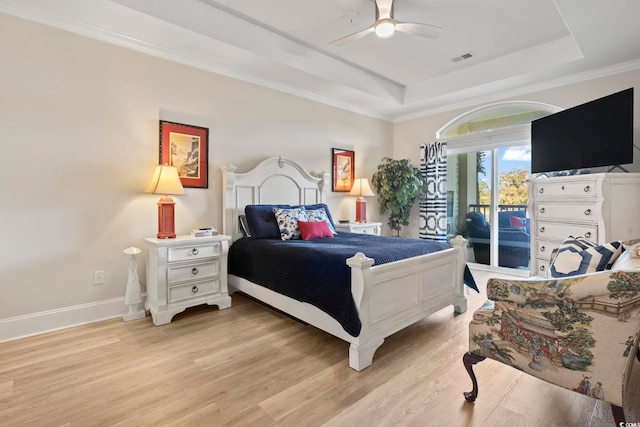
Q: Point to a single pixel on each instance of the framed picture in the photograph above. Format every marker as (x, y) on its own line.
(187, 148)
(342, 170)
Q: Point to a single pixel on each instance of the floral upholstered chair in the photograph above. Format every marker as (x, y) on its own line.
(577, 331)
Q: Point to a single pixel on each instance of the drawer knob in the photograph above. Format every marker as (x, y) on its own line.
(542, 268)
(587, 234)
(542, 229)
(194, 289)
(542, 248)
(541, 190)
(563, 187)
(587, 188)
(587, 212)
(541, 210)
(194, 251)
(194, 271)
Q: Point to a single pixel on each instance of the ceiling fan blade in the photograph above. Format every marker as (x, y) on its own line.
(351, 37)
(424, 30)
(384, 9)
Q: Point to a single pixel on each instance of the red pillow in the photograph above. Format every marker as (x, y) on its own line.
(516, 221)
(314, 229)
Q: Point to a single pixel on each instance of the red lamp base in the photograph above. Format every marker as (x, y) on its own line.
(166, 220)
(361, 209)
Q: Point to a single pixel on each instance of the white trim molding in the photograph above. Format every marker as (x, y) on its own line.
(28, 325)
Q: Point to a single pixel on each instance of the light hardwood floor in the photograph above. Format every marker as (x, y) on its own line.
(252, 366)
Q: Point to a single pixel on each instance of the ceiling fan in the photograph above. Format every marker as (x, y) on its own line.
(386, 25)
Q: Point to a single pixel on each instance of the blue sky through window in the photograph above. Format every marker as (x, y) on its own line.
(508, 159)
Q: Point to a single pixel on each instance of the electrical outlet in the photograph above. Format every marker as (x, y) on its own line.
(98, 277)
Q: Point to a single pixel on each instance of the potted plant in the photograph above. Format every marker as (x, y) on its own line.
(398, 183)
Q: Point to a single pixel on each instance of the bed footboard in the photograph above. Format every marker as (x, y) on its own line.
(392, 296)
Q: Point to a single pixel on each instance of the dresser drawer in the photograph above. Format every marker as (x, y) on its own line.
(551, 231)
(541, 266)
(194, 271)
(188, 253)
(584, 212)
(192, 290)
(582, 188)
(544, 248)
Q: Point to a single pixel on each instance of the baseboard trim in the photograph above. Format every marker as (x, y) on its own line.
(14, 328)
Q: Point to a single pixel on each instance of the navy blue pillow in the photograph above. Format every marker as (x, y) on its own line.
(319, 206)
(262, 221)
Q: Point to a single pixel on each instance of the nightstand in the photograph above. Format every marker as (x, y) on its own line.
(360, 227)
(184, 272)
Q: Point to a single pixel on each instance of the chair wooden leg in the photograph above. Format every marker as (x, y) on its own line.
(618, 415)
(469, 359)
(638, 354)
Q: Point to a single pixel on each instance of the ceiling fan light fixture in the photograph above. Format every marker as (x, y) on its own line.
(385, 28)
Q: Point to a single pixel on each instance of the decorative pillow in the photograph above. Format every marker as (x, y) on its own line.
(516, 221)
(629, 259)
(262, 222)
(287, 220)
(320, 215)
(331, 223)
(314, 229)
(578, 255)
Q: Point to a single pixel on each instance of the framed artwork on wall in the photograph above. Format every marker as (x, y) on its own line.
(187, 148)
(342, 169)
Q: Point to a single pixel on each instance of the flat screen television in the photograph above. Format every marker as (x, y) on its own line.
(598, 133)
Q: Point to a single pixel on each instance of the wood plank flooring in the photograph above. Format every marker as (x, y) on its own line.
(252, 366)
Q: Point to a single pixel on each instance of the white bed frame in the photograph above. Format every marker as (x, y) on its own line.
(389, 297)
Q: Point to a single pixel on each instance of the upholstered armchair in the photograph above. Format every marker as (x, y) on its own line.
(578, 332)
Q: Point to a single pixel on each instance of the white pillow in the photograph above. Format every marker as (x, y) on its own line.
(316, 215)
(628, 260)
(287, 220)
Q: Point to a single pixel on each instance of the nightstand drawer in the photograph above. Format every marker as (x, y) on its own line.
(192, 290)
(197, 271)
(189, 253)
(550, 231)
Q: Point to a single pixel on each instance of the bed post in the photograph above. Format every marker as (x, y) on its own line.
(361, 350)
(228, 181)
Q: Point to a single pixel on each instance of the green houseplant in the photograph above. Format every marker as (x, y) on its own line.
(398, 183)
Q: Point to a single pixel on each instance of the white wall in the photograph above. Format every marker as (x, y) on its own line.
(79, 121)
(409, 135)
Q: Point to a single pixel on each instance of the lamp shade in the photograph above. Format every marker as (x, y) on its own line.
(361, 188)
(165, 180)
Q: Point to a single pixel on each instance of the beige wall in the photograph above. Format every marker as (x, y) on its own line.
(79, 121)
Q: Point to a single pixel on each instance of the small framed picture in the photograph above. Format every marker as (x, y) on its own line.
(342, 170)
(187, 148)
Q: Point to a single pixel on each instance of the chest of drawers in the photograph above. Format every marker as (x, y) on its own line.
(600, 207)
(184, 272)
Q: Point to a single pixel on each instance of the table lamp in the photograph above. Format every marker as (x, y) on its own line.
(361, 189)
(165, 181)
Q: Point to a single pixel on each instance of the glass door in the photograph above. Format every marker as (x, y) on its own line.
(487, 204)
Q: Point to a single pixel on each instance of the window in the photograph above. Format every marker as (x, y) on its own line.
(489, 158)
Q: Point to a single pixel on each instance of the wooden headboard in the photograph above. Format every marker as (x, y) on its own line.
(277, 180)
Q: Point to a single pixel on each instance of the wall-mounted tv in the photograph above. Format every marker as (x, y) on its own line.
(598, 133)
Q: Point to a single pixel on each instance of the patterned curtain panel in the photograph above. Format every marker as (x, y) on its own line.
(433, 210)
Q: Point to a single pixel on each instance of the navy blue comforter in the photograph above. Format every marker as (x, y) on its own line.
(315, 271)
